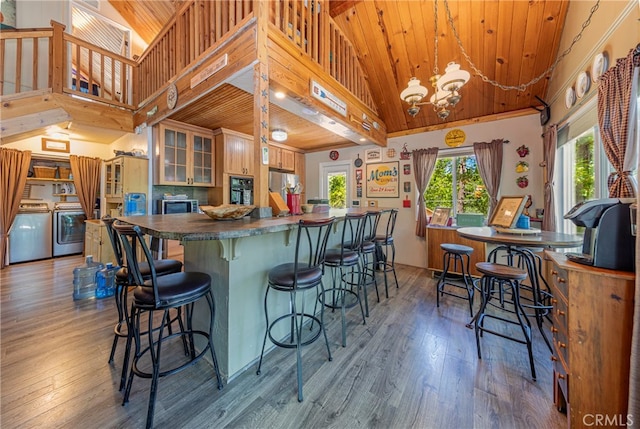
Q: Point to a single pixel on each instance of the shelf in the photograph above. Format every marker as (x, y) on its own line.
(38, 179)
(65, 195)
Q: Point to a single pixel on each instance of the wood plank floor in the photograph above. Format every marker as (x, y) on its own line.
(411, 366)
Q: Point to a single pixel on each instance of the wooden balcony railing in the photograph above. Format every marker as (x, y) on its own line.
(28, 51)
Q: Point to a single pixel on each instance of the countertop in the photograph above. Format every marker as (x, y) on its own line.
(197, 227)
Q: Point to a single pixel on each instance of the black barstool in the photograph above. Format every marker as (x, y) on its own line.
(368, 255)
(460, 255)
(347, 273)
(499, 279)
(124, 280)
(386, 250)
(296, 278)
(163, 293)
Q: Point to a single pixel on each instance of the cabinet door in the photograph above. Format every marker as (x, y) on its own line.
(248, 156)
(113, 176)
(203, 160)
(274, 157)
(287, 160)
(173, 157)
(238, 155)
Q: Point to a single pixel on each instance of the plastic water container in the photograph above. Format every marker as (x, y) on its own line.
(106, 281)
(84, 279)
(135, 204)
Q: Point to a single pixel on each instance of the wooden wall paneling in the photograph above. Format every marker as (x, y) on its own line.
(503, 44)
(521, 13)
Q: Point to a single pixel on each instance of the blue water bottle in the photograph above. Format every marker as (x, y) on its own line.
(110, 279)
(101, 283)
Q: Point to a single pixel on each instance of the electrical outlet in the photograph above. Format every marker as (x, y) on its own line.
(372, 203)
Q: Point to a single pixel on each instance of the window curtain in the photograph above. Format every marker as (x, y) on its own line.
(424, 161)
(86, 178)
(14, 168)
(489, 159)
(617, 105)
(550, 147)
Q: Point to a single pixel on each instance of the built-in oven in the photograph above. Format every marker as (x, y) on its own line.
(177, 206)
(68, 229)
(241, 190)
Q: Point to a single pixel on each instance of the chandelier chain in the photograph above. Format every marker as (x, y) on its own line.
(435, 32)
(523, 86)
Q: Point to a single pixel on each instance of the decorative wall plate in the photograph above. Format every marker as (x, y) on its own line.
(569, 97)
(172, 96)
(583, 83)
(334, 154)
(599, 66)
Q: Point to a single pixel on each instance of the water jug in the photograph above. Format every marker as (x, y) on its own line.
(84, 278)
(135, 204)
(106, 281)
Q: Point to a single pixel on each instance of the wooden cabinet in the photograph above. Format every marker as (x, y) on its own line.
(281, 158)
(438, 235)
(186, 155)
(122, 175)
(592, 323)
(97, 242)
(234, 153)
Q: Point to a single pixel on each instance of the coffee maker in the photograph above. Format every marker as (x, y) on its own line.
(608, 239)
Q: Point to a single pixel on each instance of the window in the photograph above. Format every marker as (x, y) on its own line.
(334, 183)
(581, 172)
(456, 183)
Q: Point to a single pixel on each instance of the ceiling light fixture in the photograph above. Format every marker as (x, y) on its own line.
(279, 135)
(280, 95)
(445, 87)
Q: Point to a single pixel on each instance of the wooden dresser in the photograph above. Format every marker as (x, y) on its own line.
(592, 325)
(437, 235)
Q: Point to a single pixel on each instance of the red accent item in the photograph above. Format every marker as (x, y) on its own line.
(293, 202)
(334, 155)
(406, 202)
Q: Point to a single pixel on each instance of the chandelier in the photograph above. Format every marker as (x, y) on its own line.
(445, 87)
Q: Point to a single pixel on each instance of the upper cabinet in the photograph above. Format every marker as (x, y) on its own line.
(125, 174)
(186, 155)
(281, 158)
(234, 152)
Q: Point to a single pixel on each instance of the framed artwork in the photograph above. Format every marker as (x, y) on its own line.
(55, 145)
(382, 180)
(358, 175)
(359, 190)
(373, 155)
(508, 211)
(407, 186)
(440, 216)
(406, 168)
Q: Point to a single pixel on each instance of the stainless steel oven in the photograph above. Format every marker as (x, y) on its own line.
(177, 206)
(68, 229)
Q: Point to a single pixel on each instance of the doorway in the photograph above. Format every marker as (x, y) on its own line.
(335, 183)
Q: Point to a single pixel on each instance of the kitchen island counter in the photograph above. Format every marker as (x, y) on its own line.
(237, 255)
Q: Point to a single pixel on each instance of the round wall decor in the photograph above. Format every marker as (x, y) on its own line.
(334, 155)
(599, 66)
(172, 96)
(583, 83)
(455, 138)
(569, 97)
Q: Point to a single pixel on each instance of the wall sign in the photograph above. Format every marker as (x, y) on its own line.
(328, 99)
(55, 145)
(373, 155)
(455, 138)
(382, 180)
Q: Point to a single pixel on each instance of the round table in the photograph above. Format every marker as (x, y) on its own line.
(522, 246)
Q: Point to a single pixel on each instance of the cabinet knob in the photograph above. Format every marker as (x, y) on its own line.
(563, 345)
(561, 376)
(554, 301)
(553, 358)
(554, 330)
(561, 280)
(560, 313)
(554, 273)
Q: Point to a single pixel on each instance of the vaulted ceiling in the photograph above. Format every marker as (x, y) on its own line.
(511, 42)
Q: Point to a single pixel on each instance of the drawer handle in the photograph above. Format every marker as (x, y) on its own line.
(554, 301)
(561, 376)
(554, 330)
(561, 280)
(560, 313)
(553, 358)
(563, 345)
(554, 273)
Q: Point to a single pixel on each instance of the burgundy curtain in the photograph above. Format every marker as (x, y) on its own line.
(14, 168)
(617, 105)
(86, 178)
(550, 144)
(424, 161)
(489, 159)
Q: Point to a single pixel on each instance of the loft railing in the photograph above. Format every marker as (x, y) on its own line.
(196, 27)
(36, 59)
(50, 58)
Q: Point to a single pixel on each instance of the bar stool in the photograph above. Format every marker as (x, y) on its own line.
(387, 248)
(163, 293)
(368, 255)
(124, 280)
(346, 272)
(460, 255)
(506, 278)
(302, 275)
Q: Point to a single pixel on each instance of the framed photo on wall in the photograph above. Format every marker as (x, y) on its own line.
(382, 180)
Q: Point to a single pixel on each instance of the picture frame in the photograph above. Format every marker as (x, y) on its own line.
(52, 145)
(382, 180)
(440, 216)
(373, 155)
(359, 175)
(508, 211)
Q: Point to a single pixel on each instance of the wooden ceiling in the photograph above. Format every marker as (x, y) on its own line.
(510, 41)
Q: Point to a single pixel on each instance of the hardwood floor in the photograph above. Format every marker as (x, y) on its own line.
(411, 366)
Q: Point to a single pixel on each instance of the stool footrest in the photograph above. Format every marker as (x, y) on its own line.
(308, 319)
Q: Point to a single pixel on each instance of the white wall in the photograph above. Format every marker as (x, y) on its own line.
(76, 147)
(411, 250)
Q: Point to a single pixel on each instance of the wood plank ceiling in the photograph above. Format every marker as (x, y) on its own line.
(510, 41)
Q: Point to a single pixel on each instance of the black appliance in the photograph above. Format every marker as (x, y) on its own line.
(608, 240)
(241, 190)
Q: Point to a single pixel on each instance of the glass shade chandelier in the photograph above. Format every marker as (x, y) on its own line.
(445, 87)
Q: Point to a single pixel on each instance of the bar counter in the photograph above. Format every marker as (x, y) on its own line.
(237, 255)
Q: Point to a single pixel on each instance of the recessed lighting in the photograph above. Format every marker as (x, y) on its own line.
(280, 95)
(362, 139)
(279, 135)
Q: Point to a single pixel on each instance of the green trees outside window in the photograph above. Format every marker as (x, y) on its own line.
(338, 191)
(456, 183)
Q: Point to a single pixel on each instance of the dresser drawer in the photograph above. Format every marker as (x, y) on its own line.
(560, 313)
(559, 280)
(560, 385)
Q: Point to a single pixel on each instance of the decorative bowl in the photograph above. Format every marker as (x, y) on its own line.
(228, 211)
(307, 208)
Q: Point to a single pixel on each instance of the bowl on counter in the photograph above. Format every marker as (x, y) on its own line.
(227, 211)
(307, 208)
